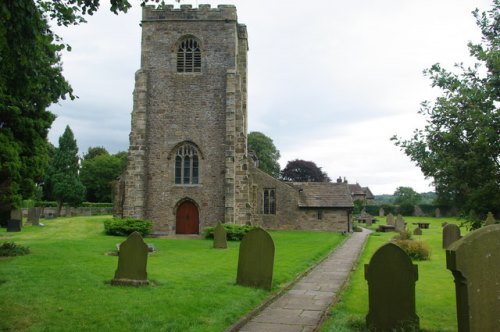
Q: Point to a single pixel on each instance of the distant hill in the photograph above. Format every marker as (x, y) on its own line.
(427, 198)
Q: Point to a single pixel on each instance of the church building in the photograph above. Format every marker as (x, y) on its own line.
(188, 164)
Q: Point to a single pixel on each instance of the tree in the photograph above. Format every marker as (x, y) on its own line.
(406, 195)
(98, 175)
(93, 152)
(266, 152)
(459, 148)
(64, 180)
(303, 171)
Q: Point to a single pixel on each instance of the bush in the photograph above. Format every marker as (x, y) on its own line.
(417, 250)
(12, 249)
(406, 209)
(126, 226)
(233, 232)
(403, 235)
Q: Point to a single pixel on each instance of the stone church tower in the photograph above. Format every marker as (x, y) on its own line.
(188, 165)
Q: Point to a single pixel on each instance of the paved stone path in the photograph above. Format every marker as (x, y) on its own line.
(301, 308)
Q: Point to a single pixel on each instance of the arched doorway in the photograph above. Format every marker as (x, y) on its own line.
(186, 219)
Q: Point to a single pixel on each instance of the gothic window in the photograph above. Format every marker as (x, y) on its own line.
(187, 165)
(189, 56)
(269, 204)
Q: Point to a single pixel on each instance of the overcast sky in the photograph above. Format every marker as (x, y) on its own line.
(329, 81)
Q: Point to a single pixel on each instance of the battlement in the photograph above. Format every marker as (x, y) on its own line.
(187, 12)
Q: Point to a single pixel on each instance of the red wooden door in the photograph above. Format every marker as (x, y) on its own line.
(187, 219)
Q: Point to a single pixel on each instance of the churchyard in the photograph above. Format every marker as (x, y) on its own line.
(65, 282)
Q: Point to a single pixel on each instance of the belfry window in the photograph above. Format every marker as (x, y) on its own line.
(186, 165)
(269, 203)
(189, 56)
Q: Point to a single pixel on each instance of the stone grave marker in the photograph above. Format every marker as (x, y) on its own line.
(444, 224)
(451, 233)
(256, 260)
(132, 262)
(381, 212)
(220, 237)
(369, 221)
(390, 219)
(417, 231)
(34, 216)
(474, 261)
(438, 213)
(418, 211)
(490, 220)
(391, 278)
(400, 224)
(15, 222)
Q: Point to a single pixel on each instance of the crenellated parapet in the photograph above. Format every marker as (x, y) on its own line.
(187, 12)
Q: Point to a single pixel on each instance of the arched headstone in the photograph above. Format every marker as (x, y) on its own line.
(474, 261)
(391, 280)
(220, 237)
(400, 224)
(256, 260)
(381, 212)
(490, 220)
(417, 231)
(390, 219)
(132, 262)
(438, 213)
(451, 233)
(15, 222)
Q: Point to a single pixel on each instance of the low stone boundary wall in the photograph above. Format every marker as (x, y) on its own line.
(51, 212)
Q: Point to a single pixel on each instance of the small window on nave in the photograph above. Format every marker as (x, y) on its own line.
(187, 167)
(269, 201)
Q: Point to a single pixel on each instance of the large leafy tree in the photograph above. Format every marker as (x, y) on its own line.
(299, 170)
(459, 148)
(406, 195)
(64, 178)
(99, 173)
(30, 80)
(266, 152)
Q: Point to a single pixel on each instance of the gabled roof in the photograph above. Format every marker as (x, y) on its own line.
(323, 194)
(355, 189)
(368, 193)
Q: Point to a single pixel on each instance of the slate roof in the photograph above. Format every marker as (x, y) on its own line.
(355, 189)
(368, 193)
(323, 194)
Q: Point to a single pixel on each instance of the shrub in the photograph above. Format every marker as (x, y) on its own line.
(417, 250)
(406, 209)
(233, 232)
(126, 226)
(403, 235)
(356, 228)
(12, 249)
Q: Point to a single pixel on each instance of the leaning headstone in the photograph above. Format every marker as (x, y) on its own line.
(418, 211)
(381, 212)
(474, 262)
(220, 237)
(400, 224)
(391, 278)
(390, 219)
(451, 233)
(132, 262)
(256, 260)
(438, 213)
(15, 222)
(490, 220)
(417, 231)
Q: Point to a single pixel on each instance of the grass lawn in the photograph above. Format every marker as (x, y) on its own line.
(435, 289)
(63, 284)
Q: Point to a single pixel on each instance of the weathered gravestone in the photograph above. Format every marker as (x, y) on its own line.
(451, 233)
(15, 222)
(418, 211)
(474, 261)
(256, 260)
(400, 224)
(381, 212)
(132, 262)
(490, 220)
(438, 213)
(220, 237)
(391, 278)
(417, 231)
(390, 219)
(34, 215)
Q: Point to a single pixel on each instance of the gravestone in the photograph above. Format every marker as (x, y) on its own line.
(391, 278)
(381, 212)
(369, 221)
(490, 220)
(256, 260)
(132, 262)
(418, 211)
(400, 224)
(15, 222)
(444, 224)
(390, 219)
(438, 213)
(474, 261)
(417, 231)
(220, 237)
(34, 215)
(451, 233)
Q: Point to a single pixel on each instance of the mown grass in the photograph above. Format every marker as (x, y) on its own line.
(64, 283)
(435, 289)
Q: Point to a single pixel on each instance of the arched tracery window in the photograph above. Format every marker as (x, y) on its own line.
(189, 56)
(187, 166)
